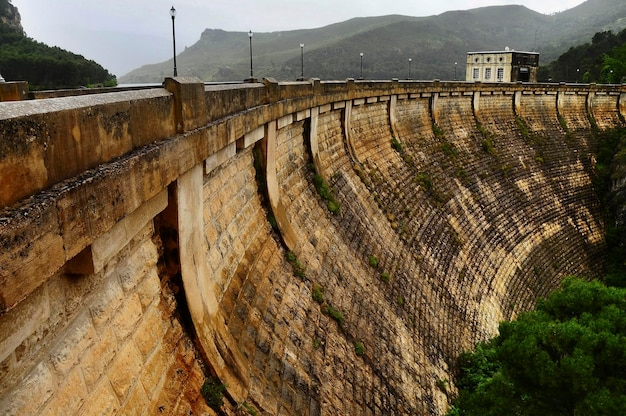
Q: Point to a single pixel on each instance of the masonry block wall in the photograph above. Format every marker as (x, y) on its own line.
(155, 238)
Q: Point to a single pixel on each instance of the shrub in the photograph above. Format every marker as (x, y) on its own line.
(213, 392)
(334, 314)
(483, 132)
(384, 276)
(523, 128)
(317, 293)
(424, 180)
(298, 269)
(359, 349)
(442, 384)
(488, 146)
(326, 193)
(565, 357)
(437, 131)
(373, 261)
(397, 146)
(449, 149)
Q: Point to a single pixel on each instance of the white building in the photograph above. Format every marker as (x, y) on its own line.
(502, 66)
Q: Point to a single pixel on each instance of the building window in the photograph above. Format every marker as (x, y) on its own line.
(500, 74)
(487, 73)
(476, 73)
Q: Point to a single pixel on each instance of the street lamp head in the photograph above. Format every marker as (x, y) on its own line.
(302, 45)
(173, 12)
(410, 59)
(250, 34)
(361, 54)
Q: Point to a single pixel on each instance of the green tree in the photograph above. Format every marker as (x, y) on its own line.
(614, 66)
(24, 59)
(568, 357)
(588, 62)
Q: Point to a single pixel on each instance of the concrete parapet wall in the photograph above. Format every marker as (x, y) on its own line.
(113, 203)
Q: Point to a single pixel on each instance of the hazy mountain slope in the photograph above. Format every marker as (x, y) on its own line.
(434, 43)
(578, 25)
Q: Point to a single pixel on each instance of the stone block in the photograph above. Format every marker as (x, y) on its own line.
(104, 306)
(149, 288)
(22, 321)
(189, 102)
(125, 370)
(13, 91)
(98, 357)
(220, 157)
(154, 371)
(31, 393)
(284, 121)
(252, 137)
(150, 331)
(136, 403)
(109, 244)
(74, 342)
(126, 318)
(22, 158)
(101, 402)
(69, 396)
(133, 270)
(32, 250)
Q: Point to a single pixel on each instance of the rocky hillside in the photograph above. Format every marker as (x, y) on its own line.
(434, 43)
(42, 66)
(10, 16)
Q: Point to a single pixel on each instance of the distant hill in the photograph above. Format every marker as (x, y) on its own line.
(44, 67)
(434, 43)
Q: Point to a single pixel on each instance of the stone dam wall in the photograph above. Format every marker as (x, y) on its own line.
(152, 238)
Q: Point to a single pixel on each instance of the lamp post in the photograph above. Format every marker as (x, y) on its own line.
(455, 71)
(173, 14)
(251, 73)
(410, 59)
(302, 62)
(361, 54)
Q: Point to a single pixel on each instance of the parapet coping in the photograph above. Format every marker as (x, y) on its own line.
(15, 109)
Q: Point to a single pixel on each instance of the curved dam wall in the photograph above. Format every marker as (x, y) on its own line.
(154, 238)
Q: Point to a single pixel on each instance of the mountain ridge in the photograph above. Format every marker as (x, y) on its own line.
(434, 43)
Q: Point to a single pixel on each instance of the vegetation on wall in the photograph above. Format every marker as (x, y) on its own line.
(213, 393)
(44, 67)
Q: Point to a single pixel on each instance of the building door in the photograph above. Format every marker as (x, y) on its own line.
(524, 74)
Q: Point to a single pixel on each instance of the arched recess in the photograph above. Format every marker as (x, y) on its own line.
(218, 346)
(271, 176)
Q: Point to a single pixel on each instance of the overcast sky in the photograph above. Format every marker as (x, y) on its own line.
(122, 35)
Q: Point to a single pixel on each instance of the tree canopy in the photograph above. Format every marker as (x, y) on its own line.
(24, 59)
(603, 60)
(568, 357)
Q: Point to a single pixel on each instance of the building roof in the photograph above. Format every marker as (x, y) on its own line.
(505, 51)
